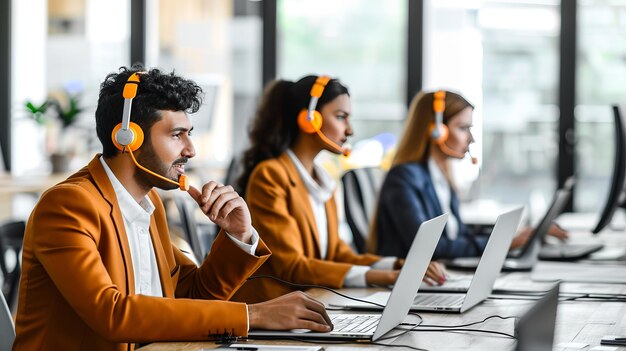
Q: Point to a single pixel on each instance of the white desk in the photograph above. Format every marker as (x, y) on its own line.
(10, 186)
(577, 321)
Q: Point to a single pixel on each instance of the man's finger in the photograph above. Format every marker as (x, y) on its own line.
(318, 307)
(217, 205)
(216, 192)
(195, 194)
(207, 189)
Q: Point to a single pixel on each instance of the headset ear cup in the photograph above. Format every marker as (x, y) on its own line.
(443, 129)
(137, 137)
(307, 126)
(438, 135)
(114, 138)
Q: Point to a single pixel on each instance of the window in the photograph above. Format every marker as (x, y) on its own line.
(62, 47)
(363, 43)
(216, 43)
(502, 56)
(602, 49)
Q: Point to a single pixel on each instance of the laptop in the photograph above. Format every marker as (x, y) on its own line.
(480, 286)
(525, 257)
(489, 265)
(566, 251)
(535, 329)
(374, 326)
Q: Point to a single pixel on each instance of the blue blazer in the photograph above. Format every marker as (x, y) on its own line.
(408, 198)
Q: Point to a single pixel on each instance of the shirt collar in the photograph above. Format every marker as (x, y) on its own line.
(131, 210)
(321, 191)
(436, 174)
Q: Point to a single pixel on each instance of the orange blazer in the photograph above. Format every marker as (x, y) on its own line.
(282, 214)
(77, 285)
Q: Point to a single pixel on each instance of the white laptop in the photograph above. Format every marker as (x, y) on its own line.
(489, 265)
(535, 329)
(481, 284)
(373, 326)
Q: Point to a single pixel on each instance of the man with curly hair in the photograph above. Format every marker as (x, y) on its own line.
(99, 270)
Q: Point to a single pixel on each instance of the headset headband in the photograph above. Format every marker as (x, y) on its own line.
(316, 92)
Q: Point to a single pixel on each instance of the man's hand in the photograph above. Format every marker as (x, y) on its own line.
(295, 310)
(225, 208)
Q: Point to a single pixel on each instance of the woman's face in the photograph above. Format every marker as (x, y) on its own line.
(336, 125)
(459, 129)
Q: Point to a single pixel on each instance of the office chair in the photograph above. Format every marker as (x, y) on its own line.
(11, 239)
(7, 329)
(199, 236)
(360, 193)
(235, 168)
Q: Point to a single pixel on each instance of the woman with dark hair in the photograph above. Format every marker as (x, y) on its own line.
(419, 185)
(291, 198)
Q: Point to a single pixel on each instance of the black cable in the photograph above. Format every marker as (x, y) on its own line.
(310, 286)
(464, 325)
(444, 328)
(520, 292)
(336, 342)
(404, 331)
(416, 327)
(597, 297)
(468, 330)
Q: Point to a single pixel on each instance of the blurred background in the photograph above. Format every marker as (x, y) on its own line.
(541, 73)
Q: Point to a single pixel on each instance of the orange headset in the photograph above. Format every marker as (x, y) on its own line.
(310, 120)
(128, 136)
(439, 131)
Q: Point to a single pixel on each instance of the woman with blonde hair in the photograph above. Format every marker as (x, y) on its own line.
(419, 185)
(291, 198)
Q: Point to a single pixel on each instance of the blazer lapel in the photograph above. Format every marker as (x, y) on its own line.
(333, 235)
(302, 198)
(161, 258)
(106, 189)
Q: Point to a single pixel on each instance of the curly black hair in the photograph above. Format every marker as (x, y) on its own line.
(157, 91)
(275, 126)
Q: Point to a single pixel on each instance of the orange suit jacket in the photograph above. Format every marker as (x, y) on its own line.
(77, 285)
(282, 214)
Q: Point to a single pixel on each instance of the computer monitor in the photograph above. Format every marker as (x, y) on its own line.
(617, 193)
(2, 165)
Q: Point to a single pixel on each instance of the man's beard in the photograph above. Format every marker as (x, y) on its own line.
(151, 161)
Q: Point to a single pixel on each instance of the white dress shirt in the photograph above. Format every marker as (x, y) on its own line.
(444, 193)
(137, 224)
(319, 193)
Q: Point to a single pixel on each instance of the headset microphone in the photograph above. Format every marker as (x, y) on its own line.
(439, 131)
(128, 136)
(310, 120)
(474, 159)
(346, 151)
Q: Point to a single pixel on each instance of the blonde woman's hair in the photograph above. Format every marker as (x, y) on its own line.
(415, 143)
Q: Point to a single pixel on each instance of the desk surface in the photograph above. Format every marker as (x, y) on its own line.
(11, 185)
(577, 321)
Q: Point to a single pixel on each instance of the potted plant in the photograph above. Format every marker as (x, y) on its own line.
(58, 114)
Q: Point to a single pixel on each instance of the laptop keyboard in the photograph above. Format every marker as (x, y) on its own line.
(568, 250)
(355, 323)
(439, 300)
